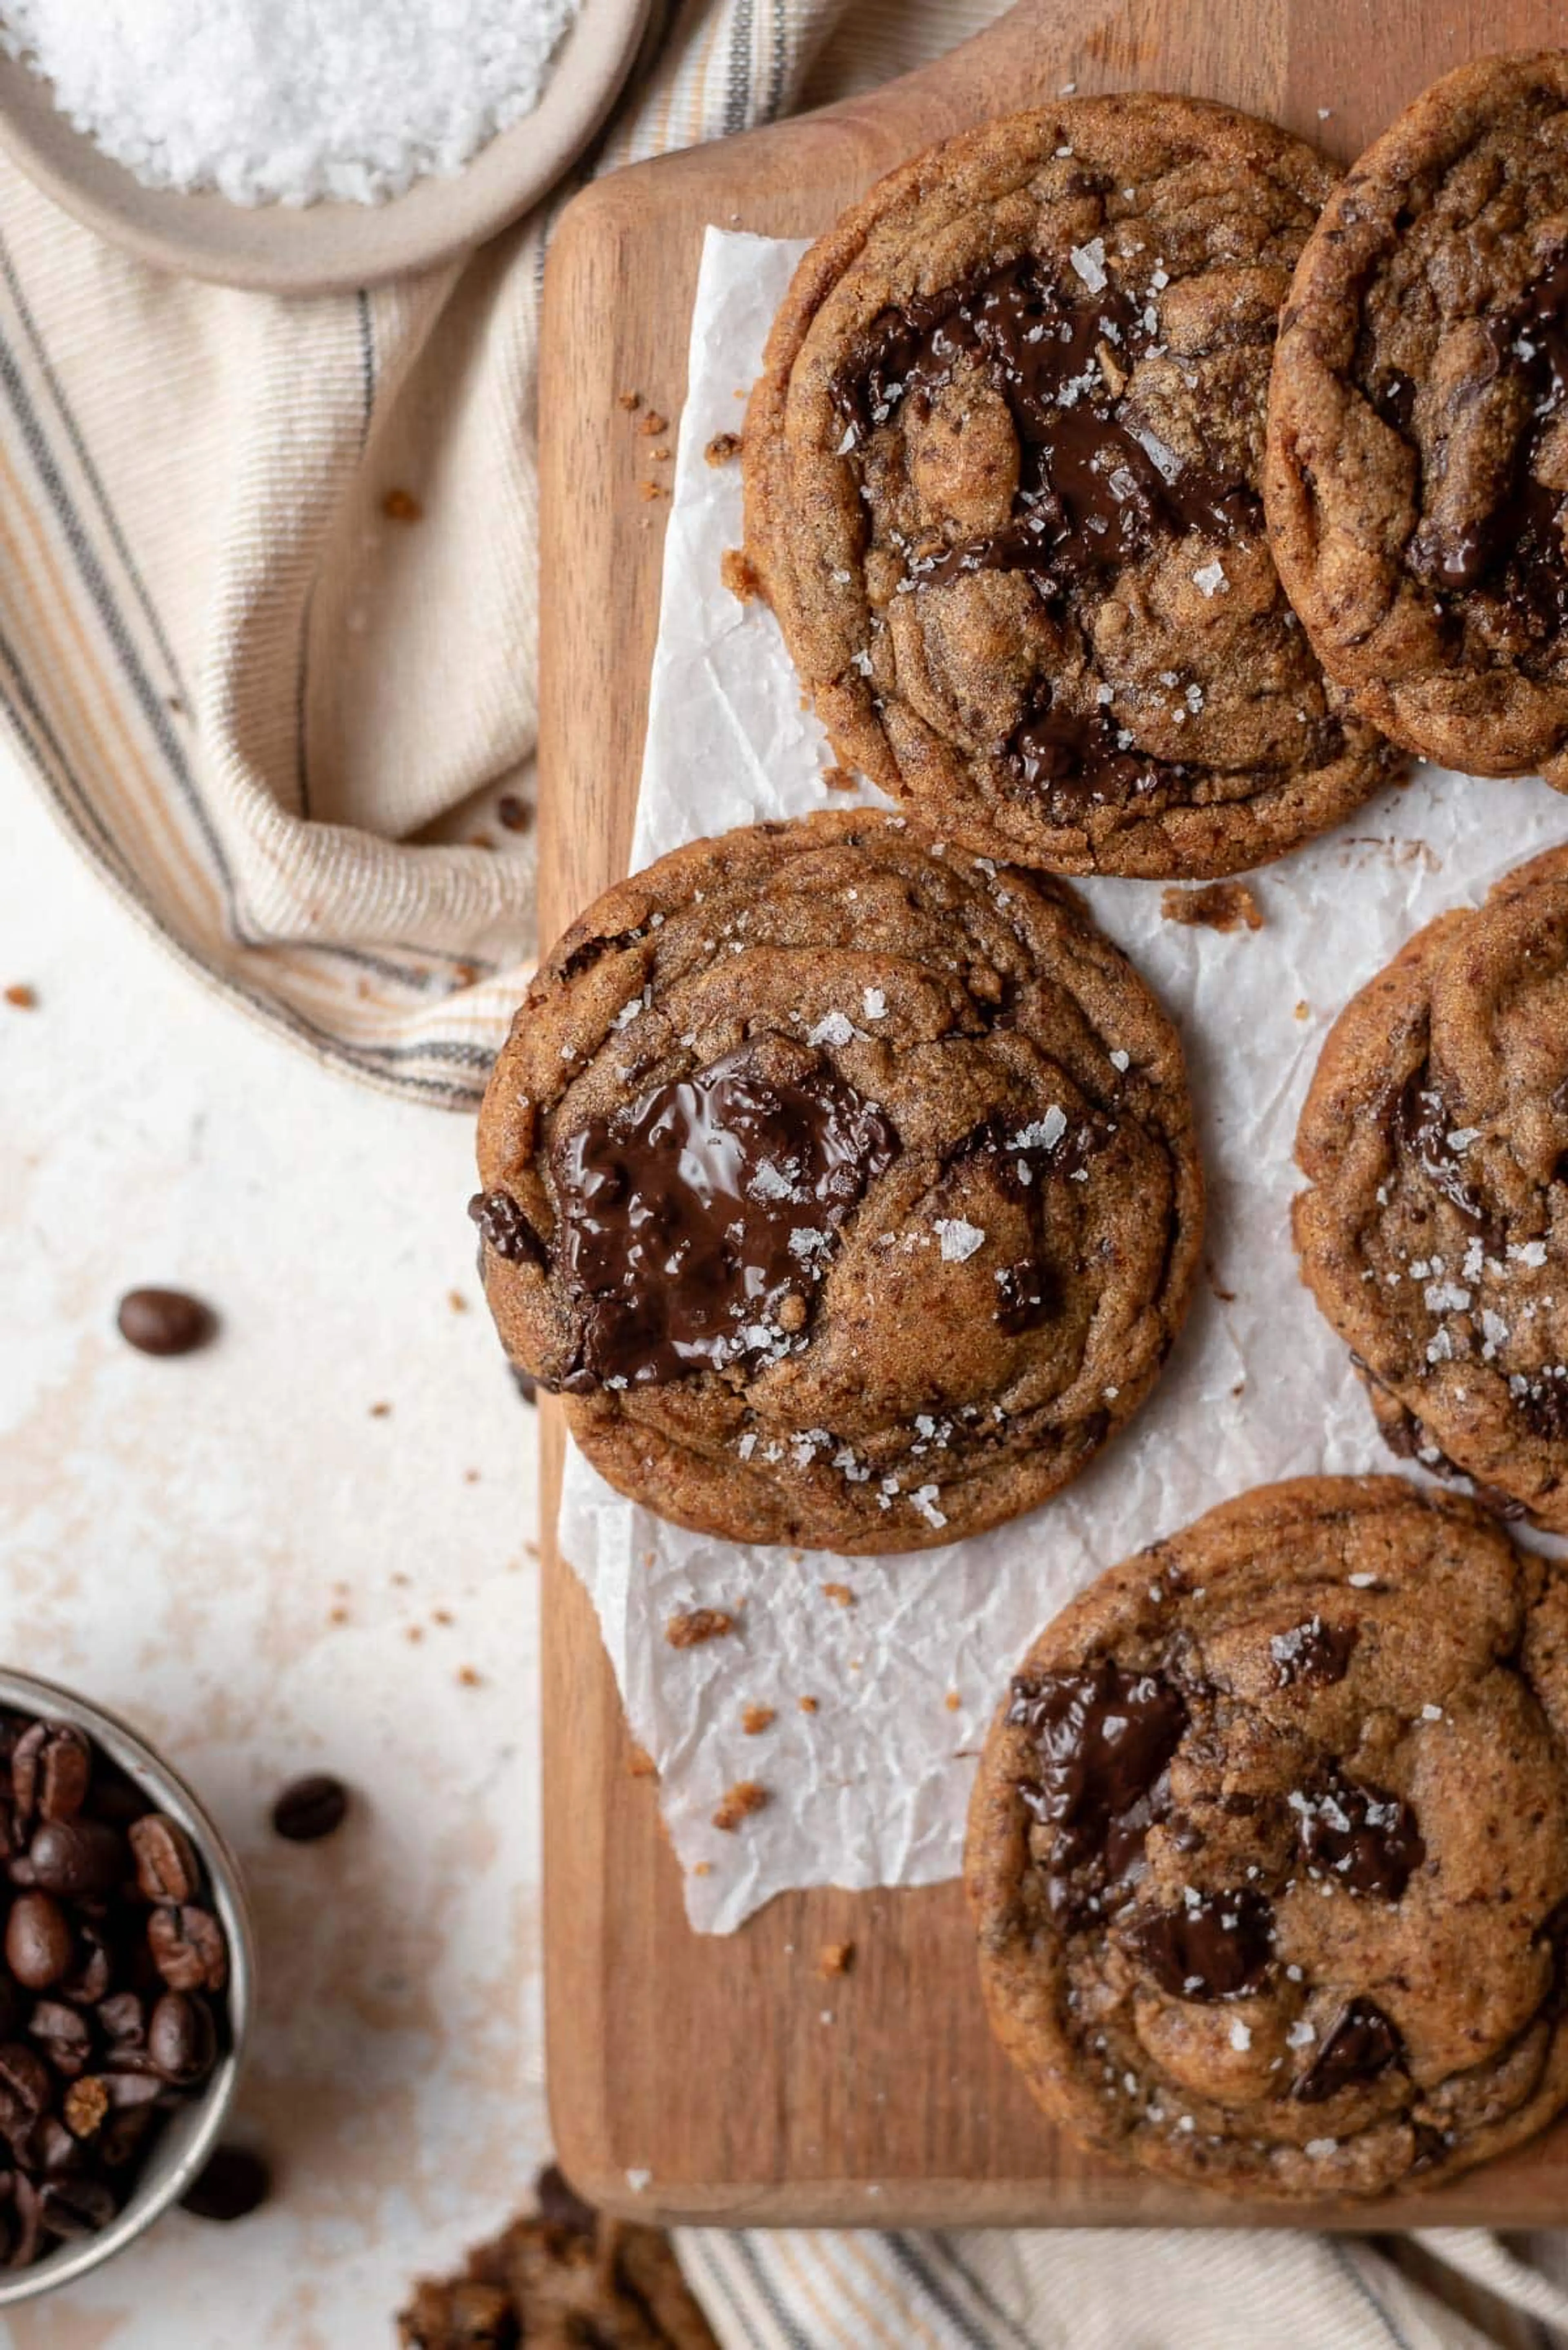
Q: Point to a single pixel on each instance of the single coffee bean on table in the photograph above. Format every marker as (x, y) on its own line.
(164, 1321)
(310, 1808)
(110, 1966)
(234, 2183)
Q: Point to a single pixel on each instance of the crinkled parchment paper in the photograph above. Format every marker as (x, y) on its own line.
(870, 1788)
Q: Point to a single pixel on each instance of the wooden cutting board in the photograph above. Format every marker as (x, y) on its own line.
(706, 2060)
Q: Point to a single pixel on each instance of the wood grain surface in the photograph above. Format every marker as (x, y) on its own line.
(706, 2060)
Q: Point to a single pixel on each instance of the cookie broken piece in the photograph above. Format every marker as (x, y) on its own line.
(1417, 452)
(1002, 478)
(847, 1190)
(1434, 1233)
(1268, 1854)
(563, 2278)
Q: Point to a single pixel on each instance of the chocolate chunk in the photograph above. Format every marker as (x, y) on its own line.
(504, 1229)
(1359, 1838)
(164, 1321)
(310, 1808)
(234, 2183)
(1022, 1297)
(1104, 1739)
(1360, 2044)
(1422, 1125)
(1315, 1653)
(1215, 1946)
(694, 1223)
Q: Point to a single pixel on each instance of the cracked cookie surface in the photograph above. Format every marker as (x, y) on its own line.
(1418, 450)
(843, 1182)
(1269, 1848)
(1434, 1233)
(1002, 492)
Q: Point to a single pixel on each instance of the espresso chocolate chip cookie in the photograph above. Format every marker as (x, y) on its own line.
(1417, 452)
(846, 1186)
(1435, 1233)
(1003, 491)
(1269, 1848)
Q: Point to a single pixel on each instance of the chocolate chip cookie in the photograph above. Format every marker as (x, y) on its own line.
(1417, 452)
(1269, 1848)
(1002, 492)
(843, 1182)
(1435, 1233)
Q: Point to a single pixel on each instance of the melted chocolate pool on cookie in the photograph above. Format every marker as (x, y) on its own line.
(1096, 488)
(695, 1224)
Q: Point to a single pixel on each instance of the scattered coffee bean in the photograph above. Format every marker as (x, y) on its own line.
(234, 2183)
(310, 1808)
(38, 1947)
(164, 1321)
(109, 1958)
(166, 1864)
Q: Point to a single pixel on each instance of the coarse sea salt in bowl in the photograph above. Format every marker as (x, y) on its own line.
(306, 146)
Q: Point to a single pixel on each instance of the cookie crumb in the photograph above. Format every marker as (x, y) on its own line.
(380, 1411)
(840, 1593)
(839, 779)
(628, 400)
(640, 1765)
(756, 1718)
(653, 424)
(953, 1701)
(740, 1801)
(650, 490)
(469, 1678)
(836, 1958)
(739, 576)
(808, 1704)
(457, 1301)
(400, 506)
(723, 449)
(690, 1628)
(701, 1868)
(24, 998)
(1218, 906)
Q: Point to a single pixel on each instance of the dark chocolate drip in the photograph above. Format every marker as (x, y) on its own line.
(1360, 2044)
(690, 1219)
(1076, 759)
(1024, 1294)
(1517, 547)
(1359, 1838)
(1104, 1739)
(1215, 1946)
(1315, 1653)
(503, 1228)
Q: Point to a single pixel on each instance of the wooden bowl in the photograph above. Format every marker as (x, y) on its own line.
(325, 248)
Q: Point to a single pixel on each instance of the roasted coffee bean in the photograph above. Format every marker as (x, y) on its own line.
(63, 2035)
(166, 1864)
(122, 2020)
(310, 1808)
(123, 2137)
(54, 2149)
(38, 1946)
(181, 2040)
(80, 1856)
(188, 1948)
(89, 1978)
(51, 1770)
(76, 2205)
(25, 2207)
(164, 1321)
(26, 2088)
(234, 2183)
(128, 2091)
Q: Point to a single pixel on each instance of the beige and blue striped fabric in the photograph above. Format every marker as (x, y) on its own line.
(278, 720)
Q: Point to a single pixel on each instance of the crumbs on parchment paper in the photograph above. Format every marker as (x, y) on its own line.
(1216, 906)
(690, 1628)
(745, 1798)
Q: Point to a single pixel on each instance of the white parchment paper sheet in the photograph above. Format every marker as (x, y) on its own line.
(871, 1788)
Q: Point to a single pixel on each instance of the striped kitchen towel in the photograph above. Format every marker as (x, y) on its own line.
(267, 579)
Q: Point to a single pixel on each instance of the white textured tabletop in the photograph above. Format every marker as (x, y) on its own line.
(270, 1574)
